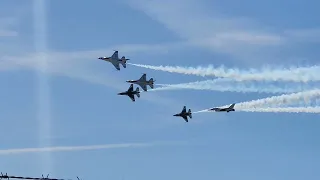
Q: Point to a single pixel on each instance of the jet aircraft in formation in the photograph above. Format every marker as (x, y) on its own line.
(5, 176)
(130, 92)
(142, 82)
(184, 114)
(114, 59)
(228, 109)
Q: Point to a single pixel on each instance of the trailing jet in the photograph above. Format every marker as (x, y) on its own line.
(130, 92)
(114, 59)
(142, 82)
(228, 109)
(44, 178)
(184, 114)
(4, 176)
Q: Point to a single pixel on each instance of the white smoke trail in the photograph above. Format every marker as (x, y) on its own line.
(282, 100)
(299, 74)
(286, 110)
(304, 97)
(276, 110)
(234, 86)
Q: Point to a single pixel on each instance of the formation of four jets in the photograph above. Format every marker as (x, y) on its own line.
(6, 176)
(143, 83)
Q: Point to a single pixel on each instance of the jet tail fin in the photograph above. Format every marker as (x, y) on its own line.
(123, 61)
(151, 81)
(190, 113)
(232, 106)
(138, 94)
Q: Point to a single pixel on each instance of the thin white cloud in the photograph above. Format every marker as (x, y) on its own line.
(7, 33)
(309, 35)
(79, 64)
(83, 65)
(81, 148)
(6, 27)
(240, 38)
(191, 20)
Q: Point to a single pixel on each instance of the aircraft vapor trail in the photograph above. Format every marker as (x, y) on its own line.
(285, 109)
(75, 148)
(222, 84)
(297, 74)
(275, 101)
(277, 110)
(285, 99)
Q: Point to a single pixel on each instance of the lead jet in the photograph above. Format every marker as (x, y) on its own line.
(228, 109)
(44, 178)
(142, 82)
(114, 59)
(184, 114)
(4, 176)
(130, 92)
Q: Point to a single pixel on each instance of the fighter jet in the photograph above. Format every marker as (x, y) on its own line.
(114, 59)
(228, 109)
(130, 92)
(4, 176)
(44, 178)
(47, 178)
(142, 82)
(184, 114)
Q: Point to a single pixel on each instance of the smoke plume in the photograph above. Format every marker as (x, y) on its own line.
(297, 74)
(224, 85)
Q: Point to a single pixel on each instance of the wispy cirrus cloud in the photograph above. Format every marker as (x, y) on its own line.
(84, 148)
(311, 35)
(239, 37)
(80, 65)
(191, 20)
(7, 27)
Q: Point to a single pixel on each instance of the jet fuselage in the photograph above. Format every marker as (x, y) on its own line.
(182, 114)
(127, 93)
(140, 82)
(222, 109)
(108, 59)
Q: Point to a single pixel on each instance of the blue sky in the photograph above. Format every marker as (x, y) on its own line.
(71, 100)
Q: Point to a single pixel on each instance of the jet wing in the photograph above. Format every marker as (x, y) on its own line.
(116, 65)
(131, 96)
(215, 109)
(185, 118)
(130, 88)
(115, 55)
(184, 109)
(144, 87)
(143, 78)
